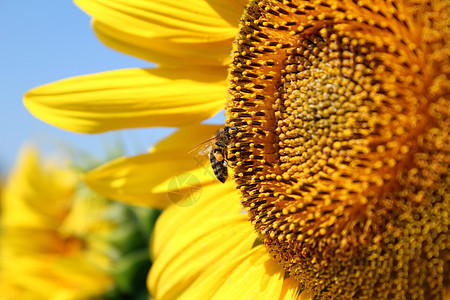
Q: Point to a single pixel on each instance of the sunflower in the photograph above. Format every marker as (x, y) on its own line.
(51, 249)
(338, 116)
(59, 240)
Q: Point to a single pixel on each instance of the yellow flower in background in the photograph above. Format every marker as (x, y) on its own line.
(51, 238)
(340, 121)
(58, 239)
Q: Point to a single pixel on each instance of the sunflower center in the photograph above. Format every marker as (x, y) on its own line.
(341, 143)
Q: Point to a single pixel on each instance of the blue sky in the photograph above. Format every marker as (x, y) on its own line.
(44, 41)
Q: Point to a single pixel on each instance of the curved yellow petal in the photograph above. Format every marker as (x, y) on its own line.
(184, 244)
(188, 21)
(251, 275)
(168, 175)
(195, 252)
(257, 276)
(130, 98)
(217, 200)
(164, 52)
(167, 29)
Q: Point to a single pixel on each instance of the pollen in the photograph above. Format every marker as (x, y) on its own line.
(341, 113)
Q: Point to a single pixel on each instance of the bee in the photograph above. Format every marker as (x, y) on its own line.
(218, 154)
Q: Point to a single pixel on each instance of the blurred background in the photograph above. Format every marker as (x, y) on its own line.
(45, 41)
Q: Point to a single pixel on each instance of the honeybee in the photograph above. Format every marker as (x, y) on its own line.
(218, 154)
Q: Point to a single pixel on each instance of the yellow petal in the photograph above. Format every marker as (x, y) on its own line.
(196, 252)
(185, 141)
(47, 277)
(28, 183)
(134, 180)
(185, 241)
(164, 52)
(146, 179)
(130, 98)
(217, 200)
(188, 21)
(290, 290)
(255, 276)
(80, 278)
(252, 275)
(170, 32)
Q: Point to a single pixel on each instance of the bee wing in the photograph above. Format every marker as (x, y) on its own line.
(204, 148)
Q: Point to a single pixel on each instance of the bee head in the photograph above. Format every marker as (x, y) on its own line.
(228, 130)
